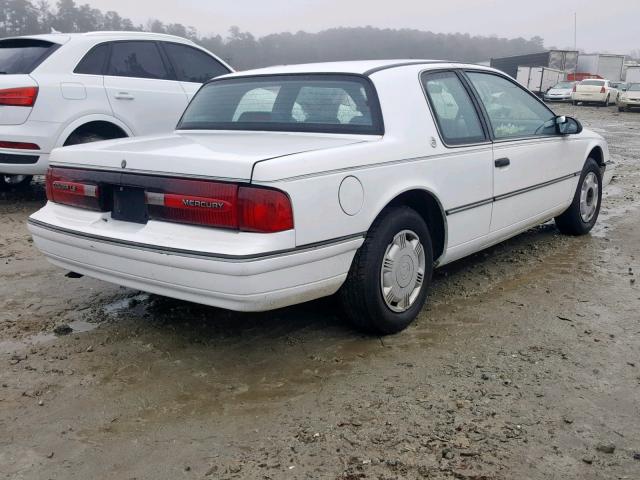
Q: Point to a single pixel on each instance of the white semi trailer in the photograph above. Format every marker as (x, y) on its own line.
(605, 66)
(539, 79)
(633, 75)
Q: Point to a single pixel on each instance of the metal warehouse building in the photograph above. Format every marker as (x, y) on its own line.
(565, 60)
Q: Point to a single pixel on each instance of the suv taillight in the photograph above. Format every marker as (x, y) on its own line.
(19, 97)
(196, 202)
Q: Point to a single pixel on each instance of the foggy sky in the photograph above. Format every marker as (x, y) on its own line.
(610, 26)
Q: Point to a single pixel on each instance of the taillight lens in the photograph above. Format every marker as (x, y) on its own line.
(264, 210)
(65, 190)
(194, 201)
(603, 90)
(19, 97)
(575, 88)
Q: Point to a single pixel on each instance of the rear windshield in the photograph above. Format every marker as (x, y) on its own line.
(564, 85)
(22, 56)
(596, 83)
(288, 103)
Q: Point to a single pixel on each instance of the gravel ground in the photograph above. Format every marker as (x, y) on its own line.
(524, 364)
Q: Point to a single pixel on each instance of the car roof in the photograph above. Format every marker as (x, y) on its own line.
(65, 37)
(359, 67)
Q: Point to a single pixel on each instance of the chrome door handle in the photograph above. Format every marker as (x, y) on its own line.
(124, 96)
(502, 162)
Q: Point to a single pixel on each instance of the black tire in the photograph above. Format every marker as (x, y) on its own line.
(621, 109)
(8, 182)
(571, 221)
(80, 138)
(361, 295)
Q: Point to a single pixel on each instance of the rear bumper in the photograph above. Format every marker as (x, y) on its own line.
(255, 283)
(13, 163)
(589, 97)
(43, 134)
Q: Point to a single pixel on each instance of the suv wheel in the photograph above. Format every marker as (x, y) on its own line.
(389, 277)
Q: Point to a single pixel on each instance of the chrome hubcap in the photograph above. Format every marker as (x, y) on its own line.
(589, 197)
(402, 271)
(13, 179)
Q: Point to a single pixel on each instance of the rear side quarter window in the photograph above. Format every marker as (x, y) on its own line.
(94, 62)
(453, 109)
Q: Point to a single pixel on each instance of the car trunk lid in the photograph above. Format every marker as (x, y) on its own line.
(222, 155)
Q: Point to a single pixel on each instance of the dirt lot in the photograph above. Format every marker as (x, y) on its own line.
(525, 364)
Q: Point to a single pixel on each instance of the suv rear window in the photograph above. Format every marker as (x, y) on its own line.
(320, 103)
(22, 55)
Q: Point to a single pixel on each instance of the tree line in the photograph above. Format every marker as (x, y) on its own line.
(243, 50)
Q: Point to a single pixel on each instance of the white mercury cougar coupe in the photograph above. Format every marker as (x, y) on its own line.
(291, 183)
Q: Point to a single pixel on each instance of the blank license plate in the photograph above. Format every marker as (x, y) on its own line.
(129, 205)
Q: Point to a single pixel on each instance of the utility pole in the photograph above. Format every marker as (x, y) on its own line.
(575, 31)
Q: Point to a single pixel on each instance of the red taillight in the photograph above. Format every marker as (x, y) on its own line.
(224, 205)
(196, 202)
(19, 97)
(69, 192)
(19, 145)
(603, 90)
(575, 88)
(264, 210)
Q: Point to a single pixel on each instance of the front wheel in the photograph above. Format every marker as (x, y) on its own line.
(387, 284)
(583, 212)
(14, 181)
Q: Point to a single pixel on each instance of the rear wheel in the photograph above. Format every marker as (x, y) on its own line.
(14, 181)
(79, 138)
(606, 102)
(387, 284)
(583, 212)
(621, 109)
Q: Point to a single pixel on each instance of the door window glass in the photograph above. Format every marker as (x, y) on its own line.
(455, 113)
(513, 112)
(137, 59)
(193, 65)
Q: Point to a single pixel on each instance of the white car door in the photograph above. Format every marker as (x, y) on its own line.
(533, 166)
(465, 171)
(192, 66)
(141, 88)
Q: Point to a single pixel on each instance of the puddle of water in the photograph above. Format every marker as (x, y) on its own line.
(134, 304)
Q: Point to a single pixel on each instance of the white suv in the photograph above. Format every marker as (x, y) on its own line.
(66, 89)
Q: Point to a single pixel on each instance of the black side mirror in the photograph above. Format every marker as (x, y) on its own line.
(567, 125)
